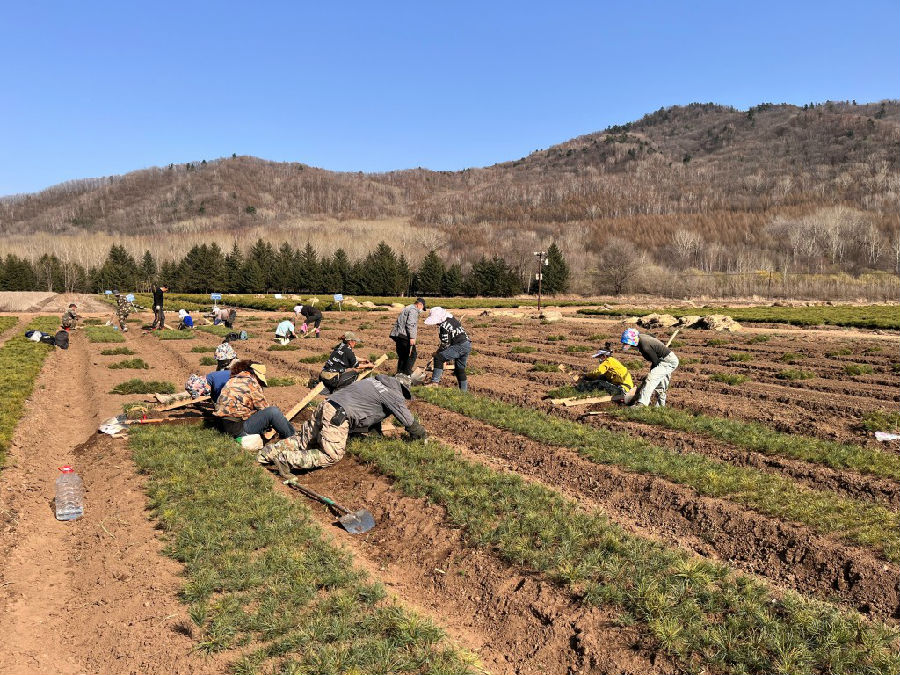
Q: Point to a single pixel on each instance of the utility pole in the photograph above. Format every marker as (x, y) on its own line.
(542, 260)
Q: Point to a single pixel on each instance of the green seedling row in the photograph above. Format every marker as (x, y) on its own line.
(7, 322)
(103, 334)
(262, 576)
(136, 386)
(172, 334)
(701, 613)
(117, 351)
(855, 521)
(759, 438)
(20, 364)
(867, 316)
(135, 364)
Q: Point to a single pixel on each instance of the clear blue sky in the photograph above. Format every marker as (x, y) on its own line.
(101, 88)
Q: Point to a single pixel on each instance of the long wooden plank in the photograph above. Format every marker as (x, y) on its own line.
(573, 400)
(315, 391)
(181, 404)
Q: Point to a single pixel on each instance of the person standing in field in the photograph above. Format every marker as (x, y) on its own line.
(124, 307)
(455, 346)
(159, 316)
(663, 363)
(404, 334)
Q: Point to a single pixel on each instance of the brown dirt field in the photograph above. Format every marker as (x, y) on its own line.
(98, 595)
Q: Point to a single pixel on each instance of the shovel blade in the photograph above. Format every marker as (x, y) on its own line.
(357, 522)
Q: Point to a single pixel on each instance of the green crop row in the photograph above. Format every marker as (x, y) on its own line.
(855, 521)
(7, 322)
(261, 575)
(699, 612)
(759, 438)
(137, 386)
(868, 316)
(103, 334)
(20, 364)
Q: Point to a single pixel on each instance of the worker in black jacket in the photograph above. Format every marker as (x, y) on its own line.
(455, 346)
(159, 316)
(342, 367)
(309, 315)
(357, 407)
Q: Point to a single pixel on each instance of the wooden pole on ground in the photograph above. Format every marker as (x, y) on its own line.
(181, 404)
(315, 391)
(574, 400)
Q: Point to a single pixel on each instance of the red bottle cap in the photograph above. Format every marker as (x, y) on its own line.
(67, 469)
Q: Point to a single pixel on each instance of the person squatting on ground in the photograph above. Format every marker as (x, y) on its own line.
(70, 317)
(124, 307)
(610, 375)
(663, 363)
(159, 315)
(285, 332)
(185, 320)
(225, 354)
(242, 408)
(309, 315)
(225, 316)
(342, 367)
(455, 346)
(404, 334)
(357, 408)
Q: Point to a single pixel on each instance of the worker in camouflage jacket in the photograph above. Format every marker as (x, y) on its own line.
(124, 307)
(70, 318)
(357, 408)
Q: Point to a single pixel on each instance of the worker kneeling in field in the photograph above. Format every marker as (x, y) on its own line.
(663, 363)
(242, 409)
(455, 346)
(610, 375)
(357, 408)
(342, 367)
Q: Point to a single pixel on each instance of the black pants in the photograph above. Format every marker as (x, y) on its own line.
(406, 355)
(335, 381)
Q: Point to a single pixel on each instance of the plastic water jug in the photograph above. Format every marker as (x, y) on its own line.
(69, 495)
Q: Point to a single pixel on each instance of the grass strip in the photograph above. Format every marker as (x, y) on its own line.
(732, 379)
(221, 330)
(281, 381)
(854, 521)
(7, 322)
(136, 364)
(203, 349)
(136, 386)
(315, 358)
(103, 334)
(207, 361)
(759, 438)
(117, 351)
(865, 316)
(700, 612)
(260, 572)
(20, 364)
(881, 420)
(171, 334)
(283, 348)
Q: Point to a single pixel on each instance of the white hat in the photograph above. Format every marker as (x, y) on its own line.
(437, 315)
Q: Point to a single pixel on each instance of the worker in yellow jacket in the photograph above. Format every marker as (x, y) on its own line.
(610, 375)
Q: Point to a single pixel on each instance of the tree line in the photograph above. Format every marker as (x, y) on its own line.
(264, 268)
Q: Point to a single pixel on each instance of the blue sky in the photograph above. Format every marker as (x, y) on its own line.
(101, 88)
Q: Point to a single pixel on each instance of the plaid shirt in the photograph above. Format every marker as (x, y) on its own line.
(241, 396)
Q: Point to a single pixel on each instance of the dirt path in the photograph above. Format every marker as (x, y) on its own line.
(96, 594)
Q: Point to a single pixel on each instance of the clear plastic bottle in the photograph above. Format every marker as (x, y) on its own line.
(69, 495)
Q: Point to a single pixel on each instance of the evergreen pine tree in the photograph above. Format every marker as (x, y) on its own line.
(342, 270)
(253, 277)
(234, 266)
(452, 283)
(309, 269)
(147, 272)
(284, 269)
(430, 276)
(556, 272)
(119, 270)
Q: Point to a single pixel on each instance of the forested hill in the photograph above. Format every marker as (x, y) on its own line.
(683, 161)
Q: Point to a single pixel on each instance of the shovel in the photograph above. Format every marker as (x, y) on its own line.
(355, 522)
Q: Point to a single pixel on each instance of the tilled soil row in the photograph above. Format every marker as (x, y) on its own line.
(787, 554)
(517, 621)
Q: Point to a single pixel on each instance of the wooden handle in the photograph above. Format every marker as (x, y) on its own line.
(315, 391)
(673, 337)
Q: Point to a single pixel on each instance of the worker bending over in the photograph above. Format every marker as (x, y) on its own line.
(185, 320)
(342, 367)
(610, 375)
(285, 332)
(124, 307)
(404, 334)
(225, 354)
(357, 408)
(242, 409)
(455, 346)
(663, 363)
(308, 315)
